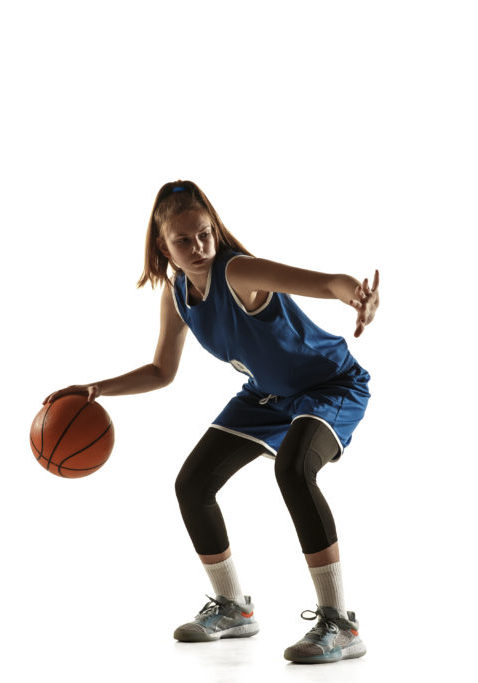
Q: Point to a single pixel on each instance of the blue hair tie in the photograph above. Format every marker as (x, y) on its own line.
(178, 189)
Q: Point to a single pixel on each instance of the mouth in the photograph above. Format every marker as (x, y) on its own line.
(199, 261)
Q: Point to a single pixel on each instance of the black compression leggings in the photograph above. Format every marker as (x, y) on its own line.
(307, 446)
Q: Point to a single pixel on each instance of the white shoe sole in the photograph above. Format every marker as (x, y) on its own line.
(192, 635)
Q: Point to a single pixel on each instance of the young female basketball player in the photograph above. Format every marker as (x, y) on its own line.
(304, 396)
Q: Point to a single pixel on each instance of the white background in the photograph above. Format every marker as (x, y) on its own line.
(336, 136)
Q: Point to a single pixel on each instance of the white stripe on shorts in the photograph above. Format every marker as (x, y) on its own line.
(251, 438)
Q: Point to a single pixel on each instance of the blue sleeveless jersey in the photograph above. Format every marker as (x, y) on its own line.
(277, 346)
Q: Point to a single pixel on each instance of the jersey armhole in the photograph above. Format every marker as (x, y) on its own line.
(234, 295)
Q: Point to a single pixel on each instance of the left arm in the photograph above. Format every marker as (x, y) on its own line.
(257, 274)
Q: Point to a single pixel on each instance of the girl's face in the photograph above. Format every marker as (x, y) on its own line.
(189, 241)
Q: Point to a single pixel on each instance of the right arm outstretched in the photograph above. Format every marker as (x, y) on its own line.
(155, 375)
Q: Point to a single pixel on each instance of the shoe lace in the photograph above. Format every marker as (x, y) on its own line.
(323, 626)
(211, 607)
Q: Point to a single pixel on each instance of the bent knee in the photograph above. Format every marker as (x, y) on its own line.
(308, 445)
(182, 486)
(191, 490)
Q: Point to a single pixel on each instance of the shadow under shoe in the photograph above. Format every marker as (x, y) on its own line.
(220, 618)
(333, 638)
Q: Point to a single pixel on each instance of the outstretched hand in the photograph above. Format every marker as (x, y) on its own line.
(366, 304)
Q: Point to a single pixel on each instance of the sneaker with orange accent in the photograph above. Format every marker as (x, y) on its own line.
(333, 638)
(220, 618)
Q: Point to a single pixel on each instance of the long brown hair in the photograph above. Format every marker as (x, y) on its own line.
(170, 202)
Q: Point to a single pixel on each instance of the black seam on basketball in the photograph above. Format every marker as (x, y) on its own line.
(35, 447)
(64, 432)
(42, 427)
(60, 465)
(76, 469)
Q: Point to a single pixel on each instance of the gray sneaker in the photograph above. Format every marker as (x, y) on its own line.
(331, 639)
(220, 618)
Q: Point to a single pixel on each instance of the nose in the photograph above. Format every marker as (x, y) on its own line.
(196, 246)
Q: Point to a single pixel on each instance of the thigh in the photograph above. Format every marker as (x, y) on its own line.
(215, 458)
(308, 445)
(341, 408)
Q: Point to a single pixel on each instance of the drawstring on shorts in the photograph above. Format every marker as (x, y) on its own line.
(266, 399)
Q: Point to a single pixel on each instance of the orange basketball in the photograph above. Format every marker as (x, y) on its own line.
(71, 437)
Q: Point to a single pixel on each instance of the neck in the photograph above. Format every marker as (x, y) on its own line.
(200, 287)
(199, 281)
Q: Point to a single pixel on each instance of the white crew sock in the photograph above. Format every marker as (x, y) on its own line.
(328, 585)
(224, 579)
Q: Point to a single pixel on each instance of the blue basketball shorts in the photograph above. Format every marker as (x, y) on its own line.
(265, 418)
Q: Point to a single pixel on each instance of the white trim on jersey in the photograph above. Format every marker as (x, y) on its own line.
(208, 286)
(327, 425)
(251, 438)
(236, 298)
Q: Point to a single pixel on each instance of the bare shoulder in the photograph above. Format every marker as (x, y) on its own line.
(238, 277)
(259, 274)
(237, 269)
